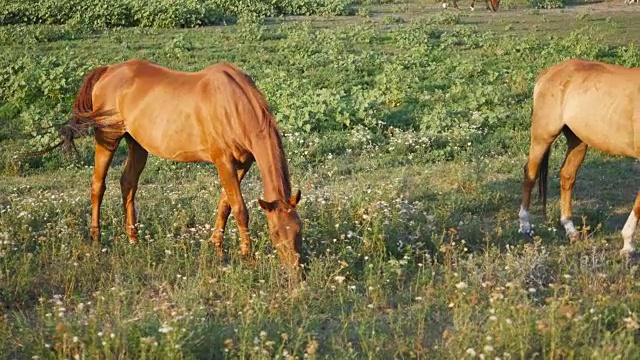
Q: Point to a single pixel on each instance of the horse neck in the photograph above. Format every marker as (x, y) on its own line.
(271, 162)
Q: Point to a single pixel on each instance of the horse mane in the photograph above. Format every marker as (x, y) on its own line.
(285, 168)
(255, 96)
(264, 115)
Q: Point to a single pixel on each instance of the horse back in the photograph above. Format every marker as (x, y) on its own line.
(184, 116)
(576, 73)
(599, 102)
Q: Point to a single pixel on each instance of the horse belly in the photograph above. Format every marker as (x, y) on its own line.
(607, 126)
(178, 139)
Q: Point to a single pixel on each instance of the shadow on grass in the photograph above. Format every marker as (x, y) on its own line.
(603, 196)
(485, 212)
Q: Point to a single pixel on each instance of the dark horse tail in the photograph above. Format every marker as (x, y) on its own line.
(83, 118)
(543, 173)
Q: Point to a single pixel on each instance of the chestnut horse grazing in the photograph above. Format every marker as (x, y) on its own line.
(592, 104)
(216, 115)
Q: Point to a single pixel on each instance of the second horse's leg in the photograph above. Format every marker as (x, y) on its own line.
(630, 228)
(576, 150)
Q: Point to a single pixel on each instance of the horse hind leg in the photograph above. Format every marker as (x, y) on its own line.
(630, 228)
(224, 209)
(538, 154)
(576, 151)
(136, 161)
(537, 164)
(102, 159)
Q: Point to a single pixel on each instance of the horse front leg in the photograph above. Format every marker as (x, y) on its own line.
(224, 209)
(231, 201)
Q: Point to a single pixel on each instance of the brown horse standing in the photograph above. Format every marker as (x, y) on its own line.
(216, 115)
(592, 104)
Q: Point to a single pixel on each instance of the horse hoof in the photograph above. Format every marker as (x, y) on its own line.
(245, 251)
(250, 260)
(630, 254)
(573, 236)
(245, 255)
(528, 234)
(219, 252)
(633, 258)
(223, 258)
(133, 238)
(95, 235)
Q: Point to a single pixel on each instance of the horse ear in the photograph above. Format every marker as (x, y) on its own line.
(268, 206)
(295, 199)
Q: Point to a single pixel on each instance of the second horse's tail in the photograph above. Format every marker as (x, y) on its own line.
(543, 174)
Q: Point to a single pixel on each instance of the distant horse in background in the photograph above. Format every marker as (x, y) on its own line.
(216, 115)
(592, 104)
(490, 4)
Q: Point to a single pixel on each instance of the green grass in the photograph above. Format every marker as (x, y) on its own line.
(407, 140)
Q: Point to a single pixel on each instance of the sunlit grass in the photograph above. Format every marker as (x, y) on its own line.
(409, 204)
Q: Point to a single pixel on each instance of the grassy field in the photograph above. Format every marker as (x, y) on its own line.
(406, 128)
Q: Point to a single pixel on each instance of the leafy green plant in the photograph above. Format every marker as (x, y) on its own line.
(179, 46)
(447, 18)
(251, 26)
(159, 14)
(364, 12)
(408, 143)
(390, 19)
(547, 4)
(33, 34)
(169, 13)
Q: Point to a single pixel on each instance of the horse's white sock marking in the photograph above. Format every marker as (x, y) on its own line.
(627, 233)
(568, 226)
(525, 226)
